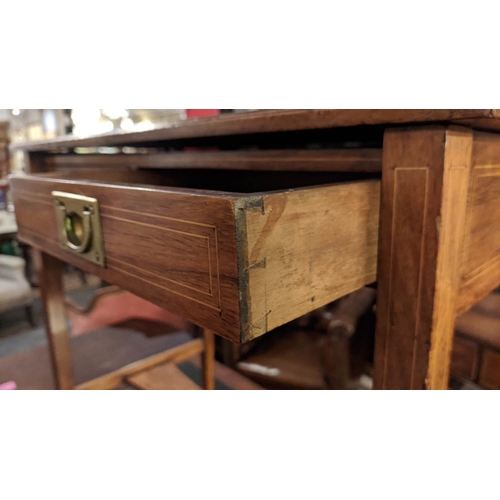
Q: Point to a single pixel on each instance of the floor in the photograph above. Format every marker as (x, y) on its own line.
(18, 339)
(18, 336)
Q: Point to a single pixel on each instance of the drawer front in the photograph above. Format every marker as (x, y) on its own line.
(174, 249)
(239, 265)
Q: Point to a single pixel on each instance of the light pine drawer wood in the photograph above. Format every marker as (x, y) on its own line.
(480, 270)
(238, 263)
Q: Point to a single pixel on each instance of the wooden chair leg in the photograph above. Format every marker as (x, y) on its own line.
(51, 290)
(335, 357)
(208, 360)
(341, 325)
(30, 315)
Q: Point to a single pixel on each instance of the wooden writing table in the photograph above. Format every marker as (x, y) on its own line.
(243, 222)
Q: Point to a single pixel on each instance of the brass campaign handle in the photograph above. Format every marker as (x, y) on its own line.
(79, 226)
(77, 229)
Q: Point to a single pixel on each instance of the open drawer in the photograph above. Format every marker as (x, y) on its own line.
(240, 261)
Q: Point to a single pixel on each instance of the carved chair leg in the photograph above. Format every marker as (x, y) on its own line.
(341, 325)
(335, 356)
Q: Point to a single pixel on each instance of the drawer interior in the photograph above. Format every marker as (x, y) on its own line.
(235, 182)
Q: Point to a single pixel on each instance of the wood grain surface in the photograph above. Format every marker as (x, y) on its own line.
(113, 379)
(480, 272)
(208, 360)
(166, 376)
(230, 378)
(175, 249)
(303, 249)
(271, 121)
(424, 196)
(236, 264)
(52, 293)
(318, 160)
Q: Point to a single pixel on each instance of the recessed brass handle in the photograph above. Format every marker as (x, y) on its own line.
(77, 231)
(79, 226)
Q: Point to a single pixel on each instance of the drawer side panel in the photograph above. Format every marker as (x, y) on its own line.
(305, 248)
(480, 272)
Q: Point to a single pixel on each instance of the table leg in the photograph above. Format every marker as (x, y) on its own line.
(208, 360)
(29, 263)
(425, 180)
(51, 289)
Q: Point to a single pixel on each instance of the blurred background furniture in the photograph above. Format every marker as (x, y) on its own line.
(476, 350)
(9, 243)
(4, 150)
(330, 348)
(8, 225)
(15, 291)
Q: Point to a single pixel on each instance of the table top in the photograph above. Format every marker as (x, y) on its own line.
(256, 122)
